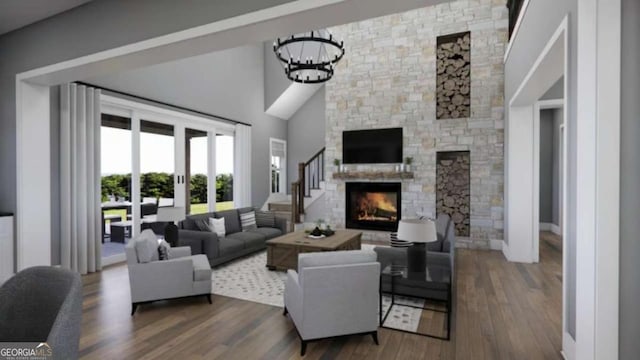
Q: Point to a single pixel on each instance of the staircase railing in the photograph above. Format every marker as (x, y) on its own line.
(310, 174)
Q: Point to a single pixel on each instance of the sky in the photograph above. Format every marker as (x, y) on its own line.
(157, 153)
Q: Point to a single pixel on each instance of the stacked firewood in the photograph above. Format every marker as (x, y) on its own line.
(453, 188)
(453, 82)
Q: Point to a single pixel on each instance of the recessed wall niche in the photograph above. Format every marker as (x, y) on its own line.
(453, 77)
(453, 188)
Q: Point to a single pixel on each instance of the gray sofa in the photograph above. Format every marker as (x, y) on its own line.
(43, 304)
(236, 243)
(440, 253)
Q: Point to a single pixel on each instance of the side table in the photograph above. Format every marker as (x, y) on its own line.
(436, 279)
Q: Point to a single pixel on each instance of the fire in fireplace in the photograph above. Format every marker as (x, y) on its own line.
(373, 206)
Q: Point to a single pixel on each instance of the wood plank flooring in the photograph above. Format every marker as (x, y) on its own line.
(502, 311)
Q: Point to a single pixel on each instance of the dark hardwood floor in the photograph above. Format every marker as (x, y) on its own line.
(502, 311)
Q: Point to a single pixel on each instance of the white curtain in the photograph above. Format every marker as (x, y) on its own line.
(80, 182)
(242, 167)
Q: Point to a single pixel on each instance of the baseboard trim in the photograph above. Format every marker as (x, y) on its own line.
(114, 259)
(568, 347)
(551, 227)
(505, 251)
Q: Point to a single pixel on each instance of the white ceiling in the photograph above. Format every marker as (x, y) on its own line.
(15, 14)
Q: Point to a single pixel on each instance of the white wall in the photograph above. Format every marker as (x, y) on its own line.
(306, 132)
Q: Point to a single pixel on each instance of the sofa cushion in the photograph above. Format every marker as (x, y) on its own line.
(190, 222)
(231, 220)
(146, 245)
(250, 239)
(248, 221)
(201, 268)
(230, 245)
(268, 233)
(217, 226)
(245, 210)
(435, 246)
(163, 250)
(202, 224)
(335, 258)
(265, 219)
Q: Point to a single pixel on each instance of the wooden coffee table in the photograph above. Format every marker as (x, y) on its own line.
(282, 252)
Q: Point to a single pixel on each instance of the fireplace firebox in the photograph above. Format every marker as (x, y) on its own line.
(373, 205)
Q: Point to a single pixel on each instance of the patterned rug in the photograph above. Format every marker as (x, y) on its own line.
(248, 279)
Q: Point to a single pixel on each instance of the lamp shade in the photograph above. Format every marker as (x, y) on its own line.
(170, 214)
(417, 230)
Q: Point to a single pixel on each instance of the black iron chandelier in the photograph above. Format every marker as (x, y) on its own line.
(309, 58)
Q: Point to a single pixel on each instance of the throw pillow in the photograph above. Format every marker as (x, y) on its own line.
(163, 250)
(202, 224)
(248, 221)
(217, 226)
(146, 247)
(265, 219)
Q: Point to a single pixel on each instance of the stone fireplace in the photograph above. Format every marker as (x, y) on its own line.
(389, 78)
(373, 205)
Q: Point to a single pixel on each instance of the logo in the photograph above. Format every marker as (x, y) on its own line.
(25, 351)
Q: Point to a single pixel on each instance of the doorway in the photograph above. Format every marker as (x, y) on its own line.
(170, 162)
(549, 158)
(278, 168)
(523, 169)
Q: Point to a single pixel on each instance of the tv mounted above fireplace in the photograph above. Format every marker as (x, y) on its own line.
(378, 146)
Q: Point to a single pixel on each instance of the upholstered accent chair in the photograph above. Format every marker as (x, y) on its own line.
(150, 278)
(334, 294)
(43, 304)
(442, 253)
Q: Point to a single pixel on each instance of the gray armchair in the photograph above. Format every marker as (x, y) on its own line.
(43, 304)
(181, 275)
(334, 294)
(442, 254)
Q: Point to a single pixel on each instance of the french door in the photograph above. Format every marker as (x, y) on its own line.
(173, 159)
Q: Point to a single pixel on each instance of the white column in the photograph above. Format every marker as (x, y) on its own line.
(179, 190)
(598, 173)
(519, 188)
(242, 167)
(135, 172)
(211, 170)
(33, 180)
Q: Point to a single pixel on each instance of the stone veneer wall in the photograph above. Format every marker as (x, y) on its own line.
(388, 79)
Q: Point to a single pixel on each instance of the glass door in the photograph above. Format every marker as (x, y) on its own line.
(157, 174)
(225, 158)
(154, 158)
(197, 158)
(115, 170)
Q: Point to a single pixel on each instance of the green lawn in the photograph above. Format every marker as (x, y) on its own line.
(195, 209)
(202, 208)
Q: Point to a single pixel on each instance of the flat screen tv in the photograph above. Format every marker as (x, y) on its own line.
(379, 146)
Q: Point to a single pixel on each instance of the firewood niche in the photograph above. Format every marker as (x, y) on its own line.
(453, 80)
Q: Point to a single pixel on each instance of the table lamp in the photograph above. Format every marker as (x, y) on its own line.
(419, 232)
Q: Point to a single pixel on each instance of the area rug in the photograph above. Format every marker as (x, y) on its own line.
(248, 279)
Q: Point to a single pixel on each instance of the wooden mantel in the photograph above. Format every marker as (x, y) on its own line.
(373, 175)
